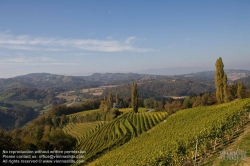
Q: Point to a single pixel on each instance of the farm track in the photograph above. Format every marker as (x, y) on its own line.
(234, 145)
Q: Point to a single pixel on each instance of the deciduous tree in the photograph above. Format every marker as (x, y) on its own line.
(220, 82)
(241, 90)
(110, 101)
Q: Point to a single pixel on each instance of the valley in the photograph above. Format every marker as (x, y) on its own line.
(124, 83)
(165, 128)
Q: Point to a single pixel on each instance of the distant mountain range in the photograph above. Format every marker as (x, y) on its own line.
(43, 81)
(46, 80)
(173, 71)
(231, 74)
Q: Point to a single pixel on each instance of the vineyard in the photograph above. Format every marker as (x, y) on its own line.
(130, 110)
(82, 130)
(104, 137)
(119, 131)
(83, 113)
(173, 142)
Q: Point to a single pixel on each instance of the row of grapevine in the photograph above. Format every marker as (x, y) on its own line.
(79, 115)
(118, 132)
(82, 130)
(173, 142)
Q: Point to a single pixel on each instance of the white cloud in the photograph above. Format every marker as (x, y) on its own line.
(17, 60)
(17, 47)
(9, 64)
(129, 40)
(28, 60)
(47, 59)
(25, 42)
(81, 54)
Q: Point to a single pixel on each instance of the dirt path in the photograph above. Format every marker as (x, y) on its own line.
(68, 105)
(234, 145)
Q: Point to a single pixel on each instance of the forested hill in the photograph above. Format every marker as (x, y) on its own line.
(46, 80)
(20, 105)
(15, 115)
(118, 78)
(26, 93)
(166, 87)
(232, 74)
(245, 80)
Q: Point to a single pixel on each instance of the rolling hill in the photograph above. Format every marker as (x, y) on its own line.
(42, 81)
(105, 136)
(177, 86)
(245, 80)
(20, 105)
(62, 83)
(173, 141)
(46, 80)
(232, 74)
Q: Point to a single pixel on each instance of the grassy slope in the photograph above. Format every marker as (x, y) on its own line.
(31, 103)
(84, 113)
(241, 143)
(245, 145)
(28, 103)
(163, 139)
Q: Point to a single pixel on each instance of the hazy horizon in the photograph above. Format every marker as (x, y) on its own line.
(166, 72)
(122, 36)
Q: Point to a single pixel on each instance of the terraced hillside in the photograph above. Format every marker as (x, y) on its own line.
(103, 137)
(82, 130)
(173, 141)
(84, 116)
(83, 113)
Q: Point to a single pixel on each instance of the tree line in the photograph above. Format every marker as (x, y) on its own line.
(15, 115)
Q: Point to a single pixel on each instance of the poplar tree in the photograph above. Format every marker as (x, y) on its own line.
(163, 102)
(225, 88)
(117, 100)
(110, 101)
(134, 98)
(102, 106)
(241, 90)
(220, 82)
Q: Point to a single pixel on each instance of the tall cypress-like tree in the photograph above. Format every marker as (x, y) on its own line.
(220, 82)
(110, 101)
(241, 90)
(163, 102)
(134, 97)
(225, 88)
(102, 105)
(117, 99)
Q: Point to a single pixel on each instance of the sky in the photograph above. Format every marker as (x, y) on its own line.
(89, 36)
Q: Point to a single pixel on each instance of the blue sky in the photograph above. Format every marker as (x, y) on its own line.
(81, 37)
